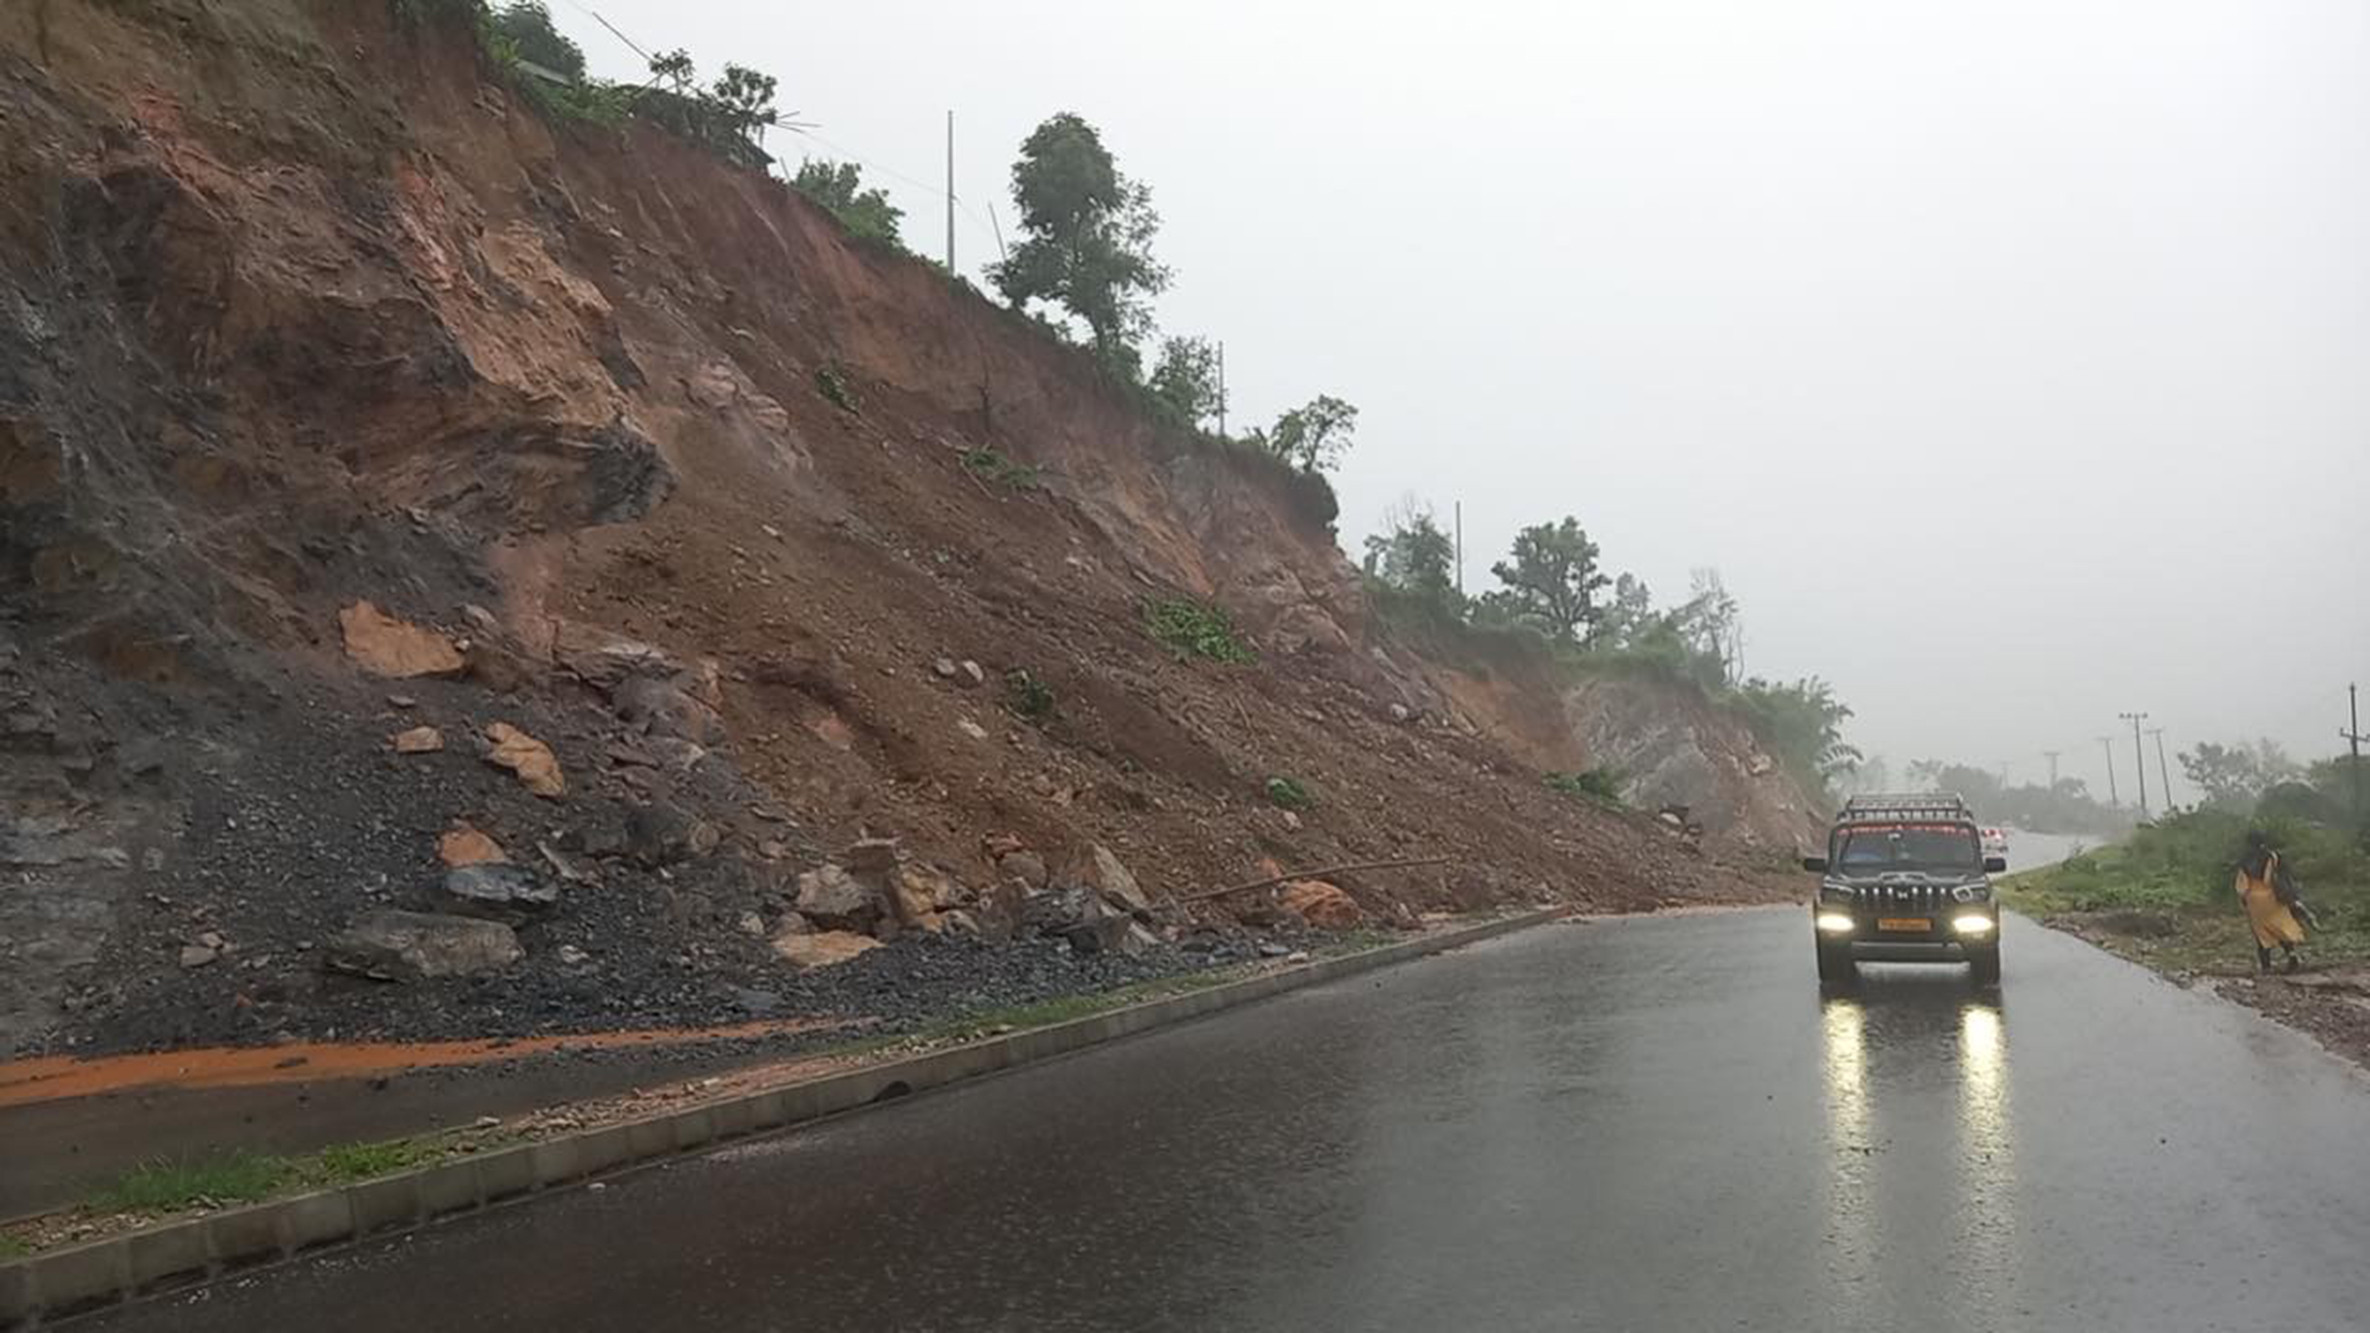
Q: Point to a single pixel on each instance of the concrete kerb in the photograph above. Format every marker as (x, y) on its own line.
(68, 1280)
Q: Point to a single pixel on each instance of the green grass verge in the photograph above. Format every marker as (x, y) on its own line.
(2172, 908)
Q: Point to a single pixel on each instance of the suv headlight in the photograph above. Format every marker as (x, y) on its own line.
(1972, 893)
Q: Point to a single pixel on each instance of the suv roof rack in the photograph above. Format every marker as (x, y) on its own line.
(1928, 804)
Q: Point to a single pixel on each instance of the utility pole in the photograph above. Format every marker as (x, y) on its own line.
(2163, 772)
(1221, 388)
(2051, 756)
(950, 194)
(2107, 744)
(2353, 740)
(1460, 548)
(2139, 760)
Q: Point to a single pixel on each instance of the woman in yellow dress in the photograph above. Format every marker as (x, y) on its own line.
(2269, 895)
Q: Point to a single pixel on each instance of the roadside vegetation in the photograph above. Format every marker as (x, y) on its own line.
(2068, 807)
(1556, 608)
(2164, 894)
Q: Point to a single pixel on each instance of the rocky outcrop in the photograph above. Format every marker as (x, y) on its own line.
(422, 946)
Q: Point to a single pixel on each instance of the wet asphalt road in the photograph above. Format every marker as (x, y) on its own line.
(1645, 1124)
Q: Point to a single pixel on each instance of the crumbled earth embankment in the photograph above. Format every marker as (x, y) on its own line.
(464, 573)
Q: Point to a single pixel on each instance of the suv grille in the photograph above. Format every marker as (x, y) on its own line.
(1925, 899)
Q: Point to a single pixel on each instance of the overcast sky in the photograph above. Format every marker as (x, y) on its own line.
(2011, 361)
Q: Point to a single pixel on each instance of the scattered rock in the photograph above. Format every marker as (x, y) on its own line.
(920, 893)
(1323, 905)
(659, 834)
(1291, 820)
(827, 948)
(465, 845)
(837, 901)
(1112, 879)
(1400, 713)
(571, 956)
(659, 708)
(872, 856)
(971, 673)
(531, 759)
(419, 946)
(945, 668)
(1078, 916)
(752, 924)
(402, 701)
(971, 729)
(384, 646)
(1271, 949)
(1027, 867)
(198, 955)
(418, 740)
(500, 891)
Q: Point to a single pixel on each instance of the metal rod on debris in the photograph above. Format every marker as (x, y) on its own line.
(1314, 872)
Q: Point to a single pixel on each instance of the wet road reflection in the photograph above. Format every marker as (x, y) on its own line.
(1656, 1124)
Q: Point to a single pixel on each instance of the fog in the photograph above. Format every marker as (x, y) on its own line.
(2007, 360)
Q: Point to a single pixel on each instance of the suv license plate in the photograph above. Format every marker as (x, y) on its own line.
(1920, 924)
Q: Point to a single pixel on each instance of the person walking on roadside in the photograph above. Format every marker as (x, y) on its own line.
(2269, 895)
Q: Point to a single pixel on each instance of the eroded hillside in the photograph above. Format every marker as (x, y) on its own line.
(300, 311)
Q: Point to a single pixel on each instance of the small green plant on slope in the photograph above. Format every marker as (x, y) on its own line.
(1026, 695)
(1290, 793)
(832, 383)
(995, 466)
(1192, 629)
(1601, 785)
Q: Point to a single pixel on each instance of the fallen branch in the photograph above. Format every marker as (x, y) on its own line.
(1314, 872)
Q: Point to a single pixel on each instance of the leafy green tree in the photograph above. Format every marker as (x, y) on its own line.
(1414, 557)
(2234, 777)
(1313, 437)
(1625, 616)
(527, 26)
(1185, 380)
(1802, 724)
(838, 187)
(1552, 579)
(1086, 239)
(673, 71)
(746, 98)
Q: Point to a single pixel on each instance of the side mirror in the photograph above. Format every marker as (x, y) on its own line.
(1995, 865)
(1817, 865)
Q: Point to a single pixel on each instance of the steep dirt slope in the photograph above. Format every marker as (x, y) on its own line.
(298, 310)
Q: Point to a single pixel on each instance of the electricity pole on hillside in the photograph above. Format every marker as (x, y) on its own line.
(950, 194)
(2353, 740)
(2107, 745)
(2163, 773)
(2051, 756)
(1221, 388)
(2139, 760)
(1460, 548)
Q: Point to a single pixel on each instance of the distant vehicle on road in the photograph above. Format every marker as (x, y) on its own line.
(1906, 878)
(1995, 843)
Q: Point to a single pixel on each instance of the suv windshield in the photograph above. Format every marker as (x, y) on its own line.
(1873, 848)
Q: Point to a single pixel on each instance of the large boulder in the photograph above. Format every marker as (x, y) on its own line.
(659, 834)
(1111, 878)
(1323, 905)
(825, 948)
(385, 646)
(1078, 916)
(921, 894)
(497, 890)
(422, 946)
(835, 900)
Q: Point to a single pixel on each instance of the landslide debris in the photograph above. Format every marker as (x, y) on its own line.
(329, 366)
